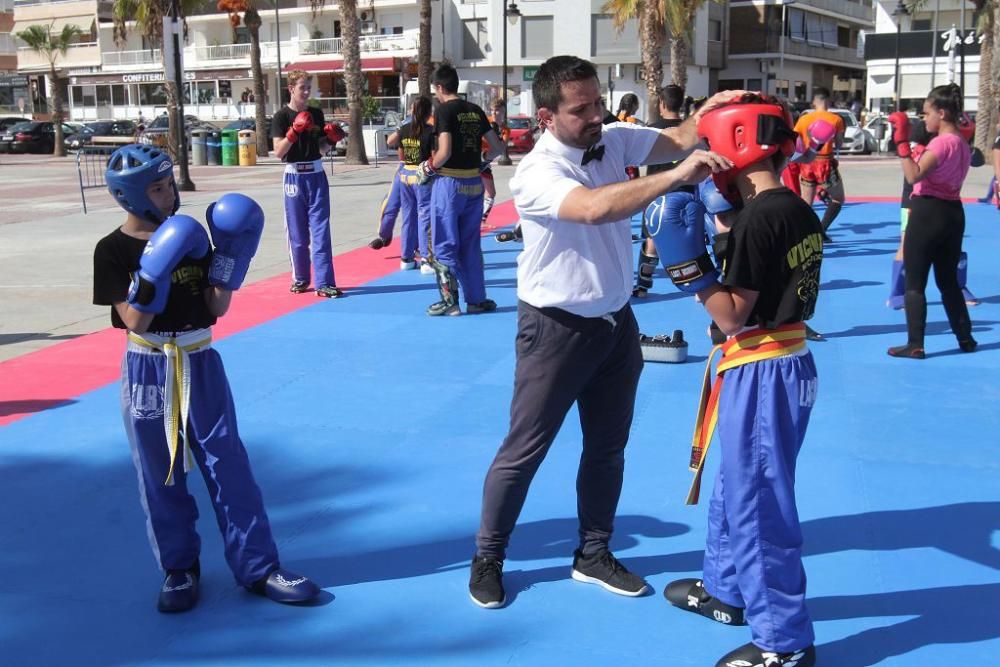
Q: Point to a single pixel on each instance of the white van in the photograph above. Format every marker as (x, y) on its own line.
(477, 92)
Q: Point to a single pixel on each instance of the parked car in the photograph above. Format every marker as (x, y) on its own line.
(522, 133)
(101, 128)
(880, 131)
(854, 135)
(9, 121)
(35, 136)
(251, 124)
(157, 131)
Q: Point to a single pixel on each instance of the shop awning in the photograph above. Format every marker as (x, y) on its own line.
(337, 65)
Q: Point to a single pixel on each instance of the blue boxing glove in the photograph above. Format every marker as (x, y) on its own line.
(715, 203)
(179, 236)
(676, 222)
(236, 222)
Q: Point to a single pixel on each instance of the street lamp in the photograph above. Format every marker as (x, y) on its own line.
(184, 182)
(277, 44)
(898, 13)
(512, 14)
(781, 47)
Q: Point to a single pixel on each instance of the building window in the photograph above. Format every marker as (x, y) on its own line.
(474, 41)
(118, 95)
(606, 41)
(781, 87)
(714, 30)
(205, 91)
(151, 94)
(241, 35)
(730, 84)
(796, 25)
(103, 96)
(536, 37)
(920, 24)
(800, 91)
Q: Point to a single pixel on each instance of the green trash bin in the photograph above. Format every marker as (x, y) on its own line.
(230, 148)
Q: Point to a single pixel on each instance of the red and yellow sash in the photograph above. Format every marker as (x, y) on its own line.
(744, 348)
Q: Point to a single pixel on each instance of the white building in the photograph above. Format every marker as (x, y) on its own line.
(933, 46)
(107, 80)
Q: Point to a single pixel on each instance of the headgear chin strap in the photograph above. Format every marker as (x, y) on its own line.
(747, 131)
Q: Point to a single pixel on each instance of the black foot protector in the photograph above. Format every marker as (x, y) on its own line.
(751, 656)
(287, 587)
(179, 591)
(690, 595)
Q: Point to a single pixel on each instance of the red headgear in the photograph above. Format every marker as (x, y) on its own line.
(966, 126)
(747, 131)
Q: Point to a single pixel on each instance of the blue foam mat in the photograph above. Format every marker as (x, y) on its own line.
(370, 427)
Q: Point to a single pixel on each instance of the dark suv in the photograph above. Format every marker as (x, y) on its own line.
(101, 128)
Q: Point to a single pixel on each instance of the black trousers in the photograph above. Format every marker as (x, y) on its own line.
(934, 239)
(562, 359)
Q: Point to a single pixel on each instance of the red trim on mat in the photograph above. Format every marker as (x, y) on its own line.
(52, 376)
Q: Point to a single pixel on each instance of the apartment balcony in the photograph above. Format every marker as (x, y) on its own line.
(838, 55)
(238, 55)
(87, 54)
(81, 13)
(859, 10)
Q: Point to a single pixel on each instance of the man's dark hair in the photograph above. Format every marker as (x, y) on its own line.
(821, 93)
(447, 77)
(546, 88)
(673, 98)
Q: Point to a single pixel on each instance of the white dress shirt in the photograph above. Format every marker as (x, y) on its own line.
(583, 269)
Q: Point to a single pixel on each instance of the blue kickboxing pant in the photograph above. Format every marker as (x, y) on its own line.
(413, 200)
(753, 553)
(456, 216)
(214, 443)
(389, 208)
(307, 222)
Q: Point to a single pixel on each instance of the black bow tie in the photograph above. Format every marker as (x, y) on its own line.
(593, 153)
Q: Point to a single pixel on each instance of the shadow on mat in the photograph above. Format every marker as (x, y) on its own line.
(843, 283)
(8, 408)
(933, 329)
(11, 338)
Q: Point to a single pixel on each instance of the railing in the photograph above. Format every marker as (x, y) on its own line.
(8, 44)
(123, 58)
(221, 52)
(77, 45)
(337, 106)
(368, 44)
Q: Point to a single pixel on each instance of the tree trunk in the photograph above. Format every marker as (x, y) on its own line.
(651, 42)
(172, 120)
(986, 106)
(251, 19)
(424, 69)
(678, 60)
(354, 80)
(58, 149)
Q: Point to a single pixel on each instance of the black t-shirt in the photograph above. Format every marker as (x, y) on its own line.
(467, 124)
(306, 149)
(662, 124)
(921, 136)
(775, 249)
(116, 258)
(416, 146)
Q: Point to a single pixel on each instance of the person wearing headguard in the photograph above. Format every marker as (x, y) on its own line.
(771, 258)
(166, 287)
(578, 339)
(937, 218)
(822, 173)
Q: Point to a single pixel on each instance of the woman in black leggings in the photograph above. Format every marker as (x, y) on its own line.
(937, 219)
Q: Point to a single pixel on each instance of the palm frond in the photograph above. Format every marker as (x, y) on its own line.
(622, 11)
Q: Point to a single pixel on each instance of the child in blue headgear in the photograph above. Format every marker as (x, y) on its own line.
(166, 287)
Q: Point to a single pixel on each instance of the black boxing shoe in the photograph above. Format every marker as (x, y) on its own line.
(690, 595)
(179, 591)
(751, 656)
(286, 587)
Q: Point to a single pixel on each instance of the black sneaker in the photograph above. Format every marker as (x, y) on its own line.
(179, 591)
(690, 595)
(486, 582)
(607, 571)
(329, 292)
(487, 306)
(298, 287)
(378, 243)
(751, 656)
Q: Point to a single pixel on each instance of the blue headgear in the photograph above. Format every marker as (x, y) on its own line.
(131, 169)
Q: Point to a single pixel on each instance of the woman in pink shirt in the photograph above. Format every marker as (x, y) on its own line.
(937, 220)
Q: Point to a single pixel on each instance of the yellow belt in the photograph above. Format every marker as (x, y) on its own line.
(744, 348)
(459, 173)
(177, 389)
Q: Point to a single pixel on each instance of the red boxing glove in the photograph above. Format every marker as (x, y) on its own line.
(917, 151)
(303, 123)
(334, 133)
(966, 127)
(900, 132)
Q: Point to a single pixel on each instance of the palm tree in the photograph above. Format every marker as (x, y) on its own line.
(52, 46)
(678, 17)
(352, 77)
(251, 19)
(424, 70)
(987, 105)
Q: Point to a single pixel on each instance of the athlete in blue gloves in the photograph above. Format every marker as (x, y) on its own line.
(167, 288)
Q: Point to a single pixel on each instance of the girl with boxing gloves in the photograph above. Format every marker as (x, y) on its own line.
(937, 220)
